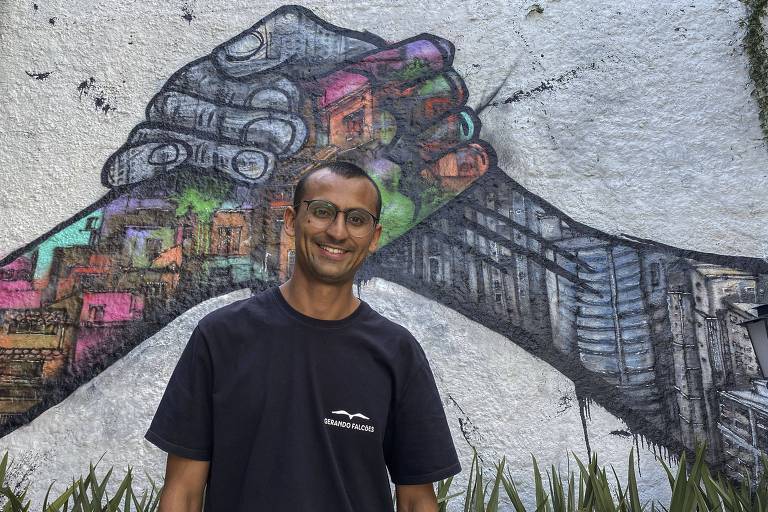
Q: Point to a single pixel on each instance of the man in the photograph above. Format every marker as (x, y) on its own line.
(302, 396)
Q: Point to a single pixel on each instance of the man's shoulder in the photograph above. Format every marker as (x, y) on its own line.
(387, 325)
(396, 333)
(248, 313)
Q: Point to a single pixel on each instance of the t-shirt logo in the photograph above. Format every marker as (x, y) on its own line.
(356, 415)
(353, 425)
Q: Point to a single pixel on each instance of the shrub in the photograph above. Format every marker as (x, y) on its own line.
(694, 489)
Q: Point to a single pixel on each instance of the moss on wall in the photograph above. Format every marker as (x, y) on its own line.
(754, 43)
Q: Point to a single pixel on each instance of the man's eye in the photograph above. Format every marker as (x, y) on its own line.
(356, 218)
(322, 212)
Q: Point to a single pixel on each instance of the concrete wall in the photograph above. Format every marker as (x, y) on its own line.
(626, 166)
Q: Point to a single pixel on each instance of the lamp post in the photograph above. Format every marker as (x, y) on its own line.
(758, 334)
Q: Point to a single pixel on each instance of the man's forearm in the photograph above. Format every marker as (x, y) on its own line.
(180, 501)
(422, 506)
(416, 498)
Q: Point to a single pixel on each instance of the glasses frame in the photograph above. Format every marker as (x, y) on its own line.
(345, 212)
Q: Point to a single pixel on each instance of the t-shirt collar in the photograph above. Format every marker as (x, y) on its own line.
(283, 304)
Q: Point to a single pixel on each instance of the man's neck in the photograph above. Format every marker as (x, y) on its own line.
(319, 300)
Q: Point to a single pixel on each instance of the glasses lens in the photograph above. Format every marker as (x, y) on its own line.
(359, 222)
(321, 212)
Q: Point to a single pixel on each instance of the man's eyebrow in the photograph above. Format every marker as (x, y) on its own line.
(338, 207)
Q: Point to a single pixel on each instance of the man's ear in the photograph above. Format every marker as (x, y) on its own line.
(375, 240)
(289, 221)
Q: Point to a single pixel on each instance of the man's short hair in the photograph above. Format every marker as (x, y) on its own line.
(345, 170)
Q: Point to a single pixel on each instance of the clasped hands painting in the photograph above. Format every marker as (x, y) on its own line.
(648, 330)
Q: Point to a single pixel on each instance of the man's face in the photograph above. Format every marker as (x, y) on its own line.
(312, 259)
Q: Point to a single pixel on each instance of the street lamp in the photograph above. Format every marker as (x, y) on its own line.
(758, 334)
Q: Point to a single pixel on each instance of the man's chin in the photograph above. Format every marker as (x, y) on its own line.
(335, 278)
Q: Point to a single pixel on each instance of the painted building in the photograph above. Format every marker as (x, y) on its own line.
(743, 426)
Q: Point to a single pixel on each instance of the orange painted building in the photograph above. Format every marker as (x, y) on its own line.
(230, 233)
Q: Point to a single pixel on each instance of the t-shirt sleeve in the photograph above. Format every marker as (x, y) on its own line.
(182, 422)
(418, 445)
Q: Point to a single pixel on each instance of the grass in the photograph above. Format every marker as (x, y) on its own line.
(591, 488)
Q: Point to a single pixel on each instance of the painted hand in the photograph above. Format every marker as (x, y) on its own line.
(293, 88)
(400, 113)
(238, 110)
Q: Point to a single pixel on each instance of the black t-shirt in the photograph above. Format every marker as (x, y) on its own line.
(300, 414)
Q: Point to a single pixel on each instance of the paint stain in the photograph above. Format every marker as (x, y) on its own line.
(189, 13)
(85, 86)
(39, 76)
(565, 403)
(534, 10)
(543, 86)
(546, 85)
(52, 21)
(101, 104)
(88, 88)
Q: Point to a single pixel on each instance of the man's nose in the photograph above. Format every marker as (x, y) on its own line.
(338, 228)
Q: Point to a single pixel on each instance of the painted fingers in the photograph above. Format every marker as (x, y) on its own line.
(408, 100)
(239, 110)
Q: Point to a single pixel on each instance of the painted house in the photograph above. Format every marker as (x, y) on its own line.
(280, 255)
(16, 287)
(34, 345)
(457, 170)
(698, 297)
(229, 258)
(136, 230)
(82, 233)
(740, 361)
(102, 317)
(345, 104)
(743, 427)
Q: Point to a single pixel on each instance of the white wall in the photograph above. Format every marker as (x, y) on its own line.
(660, 139)
(636, 119)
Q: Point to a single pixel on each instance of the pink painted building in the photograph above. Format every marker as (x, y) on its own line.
(102, 317)
(16, 289)
(110, 307)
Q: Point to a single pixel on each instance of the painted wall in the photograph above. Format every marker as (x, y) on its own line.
(573, 215)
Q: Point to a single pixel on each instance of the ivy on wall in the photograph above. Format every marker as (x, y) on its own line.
(754, 43)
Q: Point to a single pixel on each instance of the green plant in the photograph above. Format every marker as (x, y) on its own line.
(85, 495)
(694, 489)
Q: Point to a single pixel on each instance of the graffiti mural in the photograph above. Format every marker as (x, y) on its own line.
(199, 189)
(197, 194)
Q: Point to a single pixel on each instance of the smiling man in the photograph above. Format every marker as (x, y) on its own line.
(302, 396)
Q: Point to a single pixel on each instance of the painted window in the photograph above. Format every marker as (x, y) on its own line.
(229, 240)
(96, 313)
(353, 125)
(153, 248)
(434, 269)
(655, 274)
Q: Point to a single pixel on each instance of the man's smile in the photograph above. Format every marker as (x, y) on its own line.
(332, 252)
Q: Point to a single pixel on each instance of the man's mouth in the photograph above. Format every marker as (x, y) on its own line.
(331, 249)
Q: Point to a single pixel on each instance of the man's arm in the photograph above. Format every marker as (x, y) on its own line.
(184, 484)
(416, 498)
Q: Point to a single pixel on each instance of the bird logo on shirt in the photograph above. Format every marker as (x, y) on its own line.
(356, 415)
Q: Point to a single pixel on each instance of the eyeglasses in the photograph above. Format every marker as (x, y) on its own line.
(359, 222)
